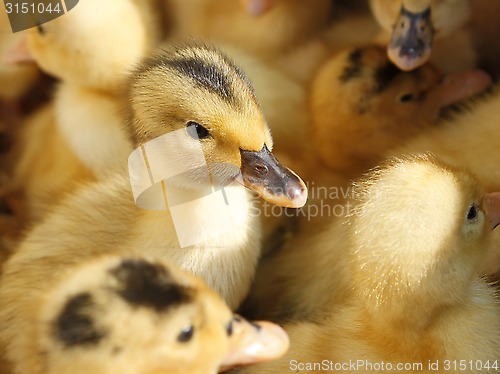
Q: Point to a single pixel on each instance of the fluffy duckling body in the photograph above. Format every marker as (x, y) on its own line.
(469, 141)
(411, 256)
(414, 25)
(382, 106)
(85, 123)
(196, 95)
(93, 73)
(133, 315)
(48, 168)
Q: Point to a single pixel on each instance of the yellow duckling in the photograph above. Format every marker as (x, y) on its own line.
(82, 135)
(135, 316)
(415, 25)
(92, 73)
(411, 256)
(381, 106)
(469, 141)
(195, 116)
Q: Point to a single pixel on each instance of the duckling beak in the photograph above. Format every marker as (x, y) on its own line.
(411, 40)
(491, 206)
(257, 8)
(19, 53)
(456, 87)
(252, 343)
(263, 174)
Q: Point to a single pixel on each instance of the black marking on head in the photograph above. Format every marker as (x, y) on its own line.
(149, 285)
(74, 326)
(205, 75)
(354, 67)
(384, 75)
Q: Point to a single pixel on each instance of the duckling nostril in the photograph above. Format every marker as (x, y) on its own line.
(261, 169)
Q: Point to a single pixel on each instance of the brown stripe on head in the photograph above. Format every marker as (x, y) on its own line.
(197, 62)
(148, 285)
(354, 67)
(205, 75)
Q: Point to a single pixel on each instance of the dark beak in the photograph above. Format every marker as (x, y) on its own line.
(411, 41)
(275, 183)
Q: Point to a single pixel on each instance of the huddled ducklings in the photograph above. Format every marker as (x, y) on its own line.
(199, 97)
(381, 108)
(135, 316)
(81, 135)
(362, 105)
(418, 28)
(411, 254)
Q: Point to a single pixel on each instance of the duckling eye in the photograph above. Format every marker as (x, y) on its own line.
(186, 334)
(406, 98)
(473, 213)
(197, 131)
(41, 29)
(229, 329)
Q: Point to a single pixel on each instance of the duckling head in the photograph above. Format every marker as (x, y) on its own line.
(142, 316)
(381, 105)
(415, 23)
(420, 228)
(94, 44)
(203, 102)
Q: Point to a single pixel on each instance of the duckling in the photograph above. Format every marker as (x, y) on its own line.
(381, 105)
(194, 113)
(415, 24)
(92, 73)
(467, 140)
(263, 27)
(413, 249)
(92, 60)
(349, 137)
(135, 315)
